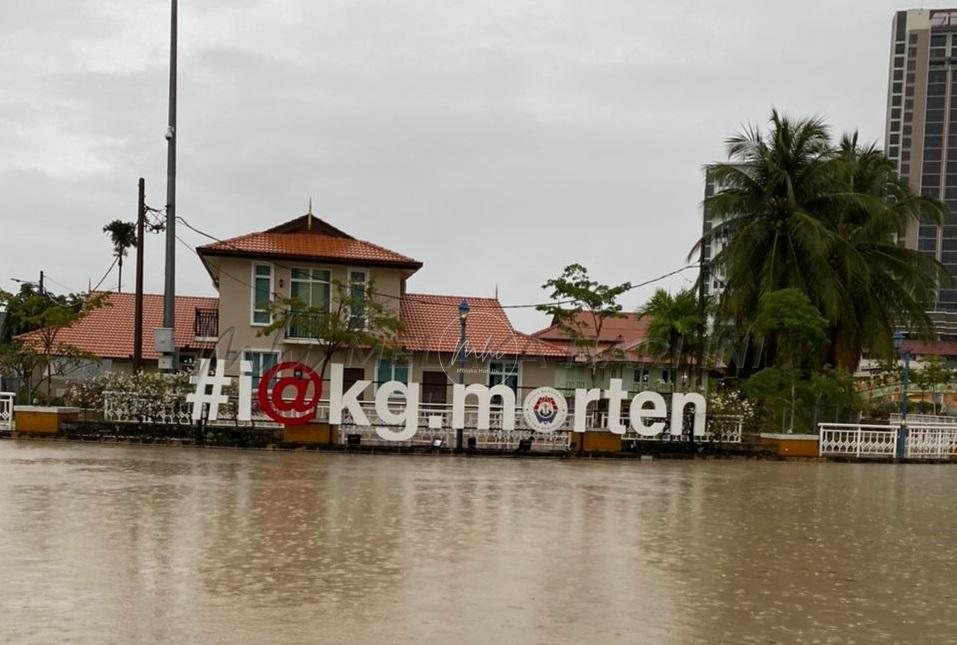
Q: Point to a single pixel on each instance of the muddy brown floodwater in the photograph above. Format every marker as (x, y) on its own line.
(117, 544)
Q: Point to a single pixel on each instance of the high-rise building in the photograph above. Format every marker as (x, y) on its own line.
(714, 278)
(921, 133)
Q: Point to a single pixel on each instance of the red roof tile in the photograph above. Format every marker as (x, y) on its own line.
(108, 332)
(432, 324)
(921, 348)
(319, 241)
(628, 328)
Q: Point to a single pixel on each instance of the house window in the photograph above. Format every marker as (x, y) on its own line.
(506, 373)
(666, 376)
(311, 287)
(641, 376)
(358, 285)
(262, 294)
(261, 361)
(392, 370)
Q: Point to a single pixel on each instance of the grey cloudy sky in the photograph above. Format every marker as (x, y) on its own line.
(494, 141)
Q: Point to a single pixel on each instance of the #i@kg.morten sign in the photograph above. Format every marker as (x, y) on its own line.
(289, 393)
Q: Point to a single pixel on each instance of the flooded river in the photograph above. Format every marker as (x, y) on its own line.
(117, 544)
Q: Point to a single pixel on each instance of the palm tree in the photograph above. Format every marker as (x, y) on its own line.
(123, 236)
(673, 328)
(798, 212)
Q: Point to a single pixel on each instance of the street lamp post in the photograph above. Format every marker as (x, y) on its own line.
(463, 318)
(905, 386)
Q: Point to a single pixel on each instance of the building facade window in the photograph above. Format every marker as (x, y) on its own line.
(392, 370)
(311, 287)
(262, 361)
(505, 373)
(262, 294)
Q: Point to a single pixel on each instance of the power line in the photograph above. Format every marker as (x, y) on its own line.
(105, 275)
(59, 284)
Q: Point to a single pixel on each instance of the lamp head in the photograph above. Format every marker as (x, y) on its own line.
(898, 340)
(464, 310)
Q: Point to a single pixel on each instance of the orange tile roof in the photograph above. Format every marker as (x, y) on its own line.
(432, 324)
(108, 332)
(319, 242)
(922, 348)
(620, 339)
(627, 328)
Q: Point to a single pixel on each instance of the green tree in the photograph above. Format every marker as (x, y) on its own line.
(884, 284)
(38, 354)
(794, 327)
(933, 375)
(580, 308)
(122, 236)
(674, 327)
(797, 337)
(796, 211)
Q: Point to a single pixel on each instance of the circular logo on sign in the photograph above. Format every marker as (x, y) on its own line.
(301, 407)
(545, 409)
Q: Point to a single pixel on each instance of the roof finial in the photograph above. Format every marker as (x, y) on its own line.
(309, 215)
(496, 290)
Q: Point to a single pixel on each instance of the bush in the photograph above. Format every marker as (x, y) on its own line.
(149, 390)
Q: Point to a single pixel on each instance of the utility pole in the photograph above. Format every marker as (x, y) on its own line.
(169, 293)
(138, 298)
(42, 290)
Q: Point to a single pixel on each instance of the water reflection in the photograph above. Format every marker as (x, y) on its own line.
(138, 544)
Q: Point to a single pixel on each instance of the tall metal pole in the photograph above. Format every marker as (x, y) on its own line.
(138, 297)
(169, 293)
(905, 399)
(463, 318)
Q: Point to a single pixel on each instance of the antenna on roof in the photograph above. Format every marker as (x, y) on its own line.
(309, 216)
(496, 290)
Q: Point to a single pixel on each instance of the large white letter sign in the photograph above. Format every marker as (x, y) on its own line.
(483, 398)
(245, 411)
(582, 398)
(349, 400)
(409, 415)
(638, 413)
(678, 403)
(615, 396)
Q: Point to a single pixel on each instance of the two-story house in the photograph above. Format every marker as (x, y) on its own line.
(306, 258)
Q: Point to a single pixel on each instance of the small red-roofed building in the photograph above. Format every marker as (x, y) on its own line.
(107, 334)
(620, 352)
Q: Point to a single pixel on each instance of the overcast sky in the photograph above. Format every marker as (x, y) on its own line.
(494, 141)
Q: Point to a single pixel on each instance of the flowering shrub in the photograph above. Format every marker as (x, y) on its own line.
(144, 393)
(728, 401)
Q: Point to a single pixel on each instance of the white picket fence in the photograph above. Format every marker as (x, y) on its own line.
(6, 411)
(923, 441)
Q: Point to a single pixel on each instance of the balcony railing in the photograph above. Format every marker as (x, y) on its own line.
(305, 326)
(206, 323)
